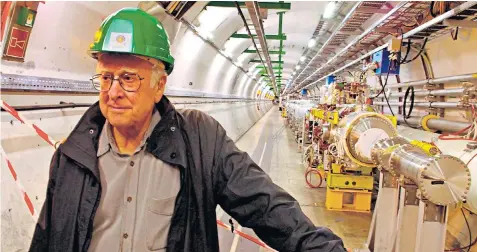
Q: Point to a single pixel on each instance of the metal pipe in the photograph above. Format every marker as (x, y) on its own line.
(436, 123)
(464, 6)
(341, 25)
(280, 33)
(443, 80)
(441, 92)
(358, 38)
(254, 12)
(426, 104)
(442, 179)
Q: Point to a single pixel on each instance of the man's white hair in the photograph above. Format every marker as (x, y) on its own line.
(156, 74)
(157, 71)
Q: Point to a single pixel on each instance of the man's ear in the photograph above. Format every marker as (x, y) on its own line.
(161, 85)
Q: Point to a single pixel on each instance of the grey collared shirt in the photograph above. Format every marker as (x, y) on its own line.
(137, 199)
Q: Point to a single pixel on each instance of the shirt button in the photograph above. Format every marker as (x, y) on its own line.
(91, 131)
(131, 163)
(173, 128)
(129, 199)
(125, 235)
(173, 155)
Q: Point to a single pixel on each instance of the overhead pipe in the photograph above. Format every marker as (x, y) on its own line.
(464, 6)
(358, 38)
(254, 12)
(337, 30)
(280, 33)
(436, 123)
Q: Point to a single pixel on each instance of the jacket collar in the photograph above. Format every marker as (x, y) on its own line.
(166, 141)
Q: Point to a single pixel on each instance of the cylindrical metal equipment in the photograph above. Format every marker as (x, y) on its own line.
(426, 104)
(441, 92)
(436, 124)
(357, 133)
(381, 152)
(442, 180)
(443, 80)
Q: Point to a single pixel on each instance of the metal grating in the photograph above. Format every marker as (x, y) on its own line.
(407, 15)
(352, 25)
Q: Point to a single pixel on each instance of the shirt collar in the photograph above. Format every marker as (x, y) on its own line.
(106, 140)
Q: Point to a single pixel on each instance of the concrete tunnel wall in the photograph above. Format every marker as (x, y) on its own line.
(57, 49)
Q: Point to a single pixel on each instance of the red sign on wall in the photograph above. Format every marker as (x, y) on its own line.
(17, 43)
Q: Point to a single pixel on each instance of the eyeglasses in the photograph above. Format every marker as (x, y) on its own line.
(130, 82)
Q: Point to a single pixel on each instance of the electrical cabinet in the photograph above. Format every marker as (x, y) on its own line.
(385, 64)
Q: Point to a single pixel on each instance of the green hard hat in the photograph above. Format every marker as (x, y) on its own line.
(133, 31)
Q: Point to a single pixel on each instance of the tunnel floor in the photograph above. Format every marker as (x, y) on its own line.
(271, 144)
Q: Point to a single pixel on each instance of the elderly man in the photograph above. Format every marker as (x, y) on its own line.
(137, 175)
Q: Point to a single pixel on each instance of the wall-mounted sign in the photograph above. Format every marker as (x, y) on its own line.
(26, 17)
(17, 43)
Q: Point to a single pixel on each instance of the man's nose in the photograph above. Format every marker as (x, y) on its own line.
(116, 91)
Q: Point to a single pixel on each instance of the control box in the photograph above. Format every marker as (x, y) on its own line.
(384, 63)
(330, 79)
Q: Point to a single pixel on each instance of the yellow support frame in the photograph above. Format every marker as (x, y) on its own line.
(348, 200)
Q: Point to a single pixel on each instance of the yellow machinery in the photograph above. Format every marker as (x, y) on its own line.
(284, 112)
(348, 159)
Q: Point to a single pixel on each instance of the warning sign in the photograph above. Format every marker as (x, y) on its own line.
(17, 44)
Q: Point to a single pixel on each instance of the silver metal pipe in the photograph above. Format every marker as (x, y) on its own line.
(425, 104)
(254, 12)
(441, 92)
(464, 6)
(442, 179)
(443, 80)
(436, 124)
(419, 104)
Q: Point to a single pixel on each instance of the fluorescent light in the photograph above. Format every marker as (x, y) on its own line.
(311, 43)
(303, 58)
(298, 67)
(329, 10)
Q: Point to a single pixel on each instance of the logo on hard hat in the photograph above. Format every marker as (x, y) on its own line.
(120, 39)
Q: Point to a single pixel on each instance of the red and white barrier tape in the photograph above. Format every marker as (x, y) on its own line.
(52, 142)
(20, 187)
(244, 235)
(23, 120)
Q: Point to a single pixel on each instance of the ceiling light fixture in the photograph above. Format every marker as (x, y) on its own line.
(311, 43)
(298, 67)
(329, 10)
(303, 58)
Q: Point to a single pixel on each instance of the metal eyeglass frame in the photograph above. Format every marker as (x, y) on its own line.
(114, 79)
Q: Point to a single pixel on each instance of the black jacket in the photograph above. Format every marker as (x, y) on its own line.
(213, 171)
